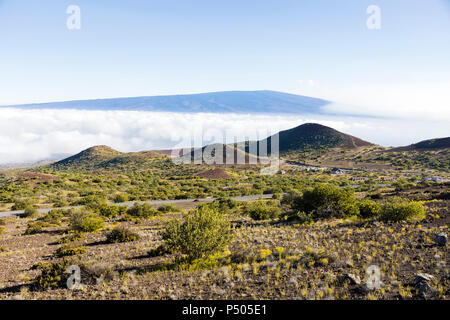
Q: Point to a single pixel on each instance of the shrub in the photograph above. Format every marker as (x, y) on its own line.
(120, 197)
(325, 201)
(2, 230)
(36, 227)
(92, 201)
(398, 209)
(2, 222)
(369, 209)
(203, 232)
(169, 208)
(54, 216)
(81, 221)
(276, 196)
(69, 250)
(112, 211)
(53, 275)
(143, 211)
(121, 234)
(70, 238)
(30, 212)
(222, 205)
(262, 210)
(21, 204)
(289, 197)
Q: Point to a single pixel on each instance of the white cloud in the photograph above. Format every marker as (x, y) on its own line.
(31, 135)
(429, 101)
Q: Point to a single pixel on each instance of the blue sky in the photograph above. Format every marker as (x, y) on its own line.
(318, 48)
(132, 48)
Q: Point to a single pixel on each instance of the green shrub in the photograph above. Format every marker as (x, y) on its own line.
(142, 211)
(262, 210)
(397, 209)
(369, 209)
(71, 238)
(54, 216)
(69, 250)
(53, 276)
(2, 230)
(120, 197)
(326, 201)
(2, 222)
(30, 212)
(36, 227)
(169, 208)
(203, 232)
(94, 202)
(121, 234)
(112, 211)
(83, 221)
(289, 197)
(222, 205)
(21, 204)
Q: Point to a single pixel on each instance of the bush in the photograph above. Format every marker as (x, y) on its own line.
(2, 230)
(369, 209)
(81, 221)
(326, 201)
(112, 211)
(94, 202)
(262, 210)
(69, 250)
(71, 238)
(223, 205)
(121, 234)
(143, 211)
(398, 209)
(53, 276)
(169, 208)
(30, 212)
(36, 227)
(289, 197)
(203, 232)
(121, 197)
(21, 204)
(54, 216)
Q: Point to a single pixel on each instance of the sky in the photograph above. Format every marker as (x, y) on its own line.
(318, 48)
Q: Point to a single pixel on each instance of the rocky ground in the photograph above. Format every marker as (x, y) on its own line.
(324, 260)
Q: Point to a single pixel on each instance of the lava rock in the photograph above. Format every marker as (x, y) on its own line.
(441, 239)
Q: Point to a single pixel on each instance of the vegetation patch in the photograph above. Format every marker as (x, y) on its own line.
(85, 221)
(204, 231)
(121, 234)
(69, 250)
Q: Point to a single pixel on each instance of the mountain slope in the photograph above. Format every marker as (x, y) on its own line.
(215, 102)
(88, 158)
(432, 144)
(314, 137)
(104, 157)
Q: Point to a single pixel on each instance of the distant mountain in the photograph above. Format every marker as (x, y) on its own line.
(213, 102)
(29, 165)
(432, 144)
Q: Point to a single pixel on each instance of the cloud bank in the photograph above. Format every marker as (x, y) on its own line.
(33, 135)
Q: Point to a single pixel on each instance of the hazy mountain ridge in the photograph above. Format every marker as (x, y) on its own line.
(263, 101)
